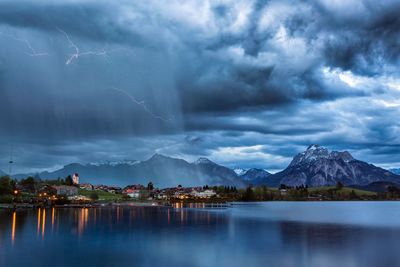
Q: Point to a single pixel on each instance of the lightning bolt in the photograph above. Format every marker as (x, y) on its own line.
(77, 53)
(142, 104)
(33, 52)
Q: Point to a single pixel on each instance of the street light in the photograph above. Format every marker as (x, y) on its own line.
(15, 192)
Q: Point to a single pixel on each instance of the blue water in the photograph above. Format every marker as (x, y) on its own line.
(305, 234)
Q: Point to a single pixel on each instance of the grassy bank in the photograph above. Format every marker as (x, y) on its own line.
(103, 195)
(344, 190)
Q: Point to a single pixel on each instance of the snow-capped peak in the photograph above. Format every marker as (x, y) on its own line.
(239, 171)
(313, 147)
(203, 161)
(315, 152)
(115, 163)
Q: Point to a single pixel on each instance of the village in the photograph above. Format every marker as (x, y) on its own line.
(70, 191)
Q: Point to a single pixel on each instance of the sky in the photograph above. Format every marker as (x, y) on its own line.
(244, 83)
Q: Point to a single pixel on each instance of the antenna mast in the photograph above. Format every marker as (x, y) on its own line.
(10, 162)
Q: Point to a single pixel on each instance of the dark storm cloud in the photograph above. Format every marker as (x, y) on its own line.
(353, 43)
(268, 124)
(90, 20)
(256, 79)
(363, 42)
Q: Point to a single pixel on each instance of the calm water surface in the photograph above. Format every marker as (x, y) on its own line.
(365, 234)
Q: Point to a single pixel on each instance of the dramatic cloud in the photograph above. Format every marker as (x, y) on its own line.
(243, 82)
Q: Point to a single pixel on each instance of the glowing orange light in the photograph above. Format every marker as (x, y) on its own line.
(14, 221)
(52, 218)
(43, 222)
(15, 192)
(38, 222)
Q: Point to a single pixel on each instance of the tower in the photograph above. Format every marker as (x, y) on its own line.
(75, 178)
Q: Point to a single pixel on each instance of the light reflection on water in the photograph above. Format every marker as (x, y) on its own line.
(14, 222)
(250, 235)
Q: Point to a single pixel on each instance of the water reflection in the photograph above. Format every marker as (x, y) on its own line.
(38, 221)
(53, 210)
(43, 222)
(176, 236)
(83, 217)
(202, 205)
(14, 222)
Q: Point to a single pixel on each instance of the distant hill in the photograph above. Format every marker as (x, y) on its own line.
(318, 167)
(163, 171)
(376, 186)
(2, 173)
(256, 176)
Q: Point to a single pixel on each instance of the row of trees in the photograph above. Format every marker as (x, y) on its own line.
(298, 193)
(7, 185)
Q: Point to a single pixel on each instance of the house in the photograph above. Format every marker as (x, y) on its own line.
(113, 189)
(203, 194)
(133, 193)
(80, 198)
(46, 190)
(135, 187)
(181, 195)
(110, 189)
(283, 192)
(160, 194)
(66, 190)
(86, 186)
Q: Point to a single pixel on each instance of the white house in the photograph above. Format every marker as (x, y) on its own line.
(203, 194)
(134, 193)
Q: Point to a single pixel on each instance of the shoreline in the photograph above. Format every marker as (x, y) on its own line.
(88, 205)
(25, 206)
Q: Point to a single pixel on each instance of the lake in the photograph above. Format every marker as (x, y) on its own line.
(305, 234)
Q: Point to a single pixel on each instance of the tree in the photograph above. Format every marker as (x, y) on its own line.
(264, 192)
(248, 194)
(283, 186)
(150, 186)
(68, 180)
(6, 185)
(339, 185)
(28, 184)
(94, 196)
(353, 195)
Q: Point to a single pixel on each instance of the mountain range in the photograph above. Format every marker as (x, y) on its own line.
(255, 176)
(163, 171)
(316, 166)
